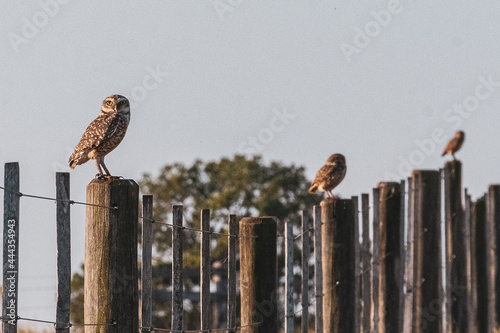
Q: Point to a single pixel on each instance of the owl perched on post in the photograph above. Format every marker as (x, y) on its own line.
(103, 134)
(330, 175)
(455, 144)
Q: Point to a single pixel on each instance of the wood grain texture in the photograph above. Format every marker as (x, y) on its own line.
(427, 281)
(111, 270)
(338, 265)
(63, 252)
(146, 268)
(258, 275)
(390, 255)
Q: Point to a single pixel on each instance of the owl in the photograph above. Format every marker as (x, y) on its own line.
(103, 134)
(455, 144)
(330, 175)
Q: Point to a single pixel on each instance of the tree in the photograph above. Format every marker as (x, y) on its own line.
(239, 185)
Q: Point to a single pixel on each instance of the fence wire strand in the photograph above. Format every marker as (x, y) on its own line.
(71, 202)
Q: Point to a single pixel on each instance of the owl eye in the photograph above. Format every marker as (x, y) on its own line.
(109, 103)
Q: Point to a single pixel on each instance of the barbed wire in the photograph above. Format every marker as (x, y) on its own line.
(71, 202)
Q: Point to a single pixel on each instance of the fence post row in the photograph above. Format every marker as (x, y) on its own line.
(358, 286)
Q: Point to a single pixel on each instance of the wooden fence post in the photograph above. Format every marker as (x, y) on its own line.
(471, 318)
(111, 274)
(146, 266)
(428, 294)
(63, 253)
(306, 251)
(493, 232)
(10, 247)
(390, 257)
(231, 274)
(456, 273)
(479, 264)
(357, 267)
(375, 260)
(338, 265)
(318, 269)
(289, 302)
(258, 275)
(408, 274)
(366, 264)
(177, 266)
(205, 312)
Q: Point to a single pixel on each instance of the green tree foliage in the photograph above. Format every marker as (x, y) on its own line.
(238, 185)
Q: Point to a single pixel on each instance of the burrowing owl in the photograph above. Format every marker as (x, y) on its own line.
(103, 134)
(330, 175)
(455, 144)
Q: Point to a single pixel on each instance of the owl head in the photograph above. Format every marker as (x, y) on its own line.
(336, 159)
(116, 104)
(459, 134)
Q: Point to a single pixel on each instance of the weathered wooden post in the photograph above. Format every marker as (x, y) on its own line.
(366, 258)
(63, 253)
(146, 267)
(479, 265)
(375, 260)
(289, 302)
(177, 265)
(10, 247)
(231, 274)
(357, 267)
(305, 272)
(390, 258)
(493, 258)
(111, 273)
(258, 275)
(456, 273)
(318, 269)
(205, 312)
(428, 294)
(408, 274)
(338, 265)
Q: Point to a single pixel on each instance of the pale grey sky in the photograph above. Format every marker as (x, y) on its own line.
(370, 79)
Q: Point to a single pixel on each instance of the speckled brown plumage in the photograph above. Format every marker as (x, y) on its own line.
(103, 134)
(330, 175)
(455, 144)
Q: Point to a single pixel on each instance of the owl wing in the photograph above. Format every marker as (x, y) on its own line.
(98, 132)
(450, 146)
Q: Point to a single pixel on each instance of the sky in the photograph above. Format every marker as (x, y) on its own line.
(386, 83)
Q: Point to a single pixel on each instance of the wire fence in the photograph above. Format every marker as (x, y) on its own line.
(403, 207)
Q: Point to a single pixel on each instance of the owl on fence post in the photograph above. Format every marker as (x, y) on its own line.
(330, 175)
(103, 134)
(455, 144)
